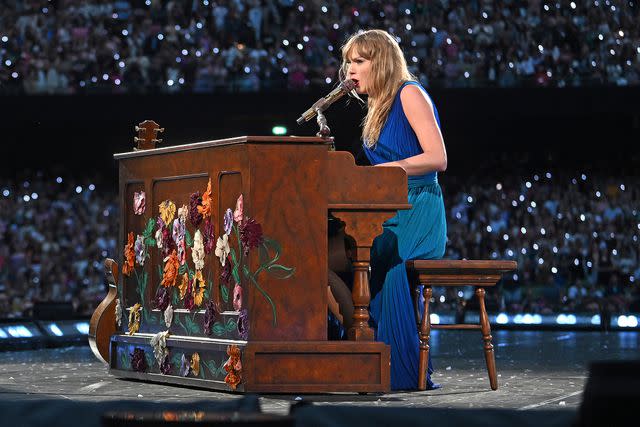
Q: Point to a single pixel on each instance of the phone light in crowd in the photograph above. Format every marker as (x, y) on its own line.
(630, 321)
(279, 130)
(55, 330)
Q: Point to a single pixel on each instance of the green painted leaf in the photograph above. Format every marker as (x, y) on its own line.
(183, 269)
(231, 325)
(176, 360)
(187, 238)
(280, 271)
(149, 241)
(224, 292)
(150, 360)
(124, 361)
(218, 329)
(191, 326)
(148, 231)
(160, 272)
(176, 297)
(272, 248)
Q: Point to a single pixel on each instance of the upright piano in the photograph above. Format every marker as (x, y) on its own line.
(258, 323)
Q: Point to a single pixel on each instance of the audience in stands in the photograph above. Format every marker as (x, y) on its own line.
(573, 233)
(169, 46)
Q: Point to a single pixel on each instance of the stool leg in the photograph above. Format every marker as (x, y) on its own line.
(486, 337)
(424, 334)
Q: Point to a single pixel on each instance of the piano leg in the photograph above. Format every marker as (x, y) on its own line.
(361, 331)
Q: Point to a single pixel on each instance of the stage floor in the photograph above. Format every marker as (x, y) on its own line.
(536, 370)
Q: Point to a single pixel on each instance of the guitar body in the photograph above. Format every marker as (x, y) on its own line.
(103, 320)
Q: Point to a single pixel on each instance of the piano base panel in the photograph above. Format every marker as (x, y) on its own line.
(266, 366)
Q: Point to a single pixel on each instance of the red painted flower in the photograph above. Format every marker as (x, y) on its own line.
(250, 234)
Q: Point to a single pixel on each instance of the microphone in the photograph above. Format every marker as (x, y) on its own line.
(323, 103)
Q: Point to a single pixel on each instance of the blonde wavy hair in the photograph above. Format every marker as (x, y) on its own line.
(388, 72)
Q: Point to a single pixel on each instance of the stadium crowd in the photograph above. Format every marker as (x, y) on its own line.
(168, 46)
(574, 235)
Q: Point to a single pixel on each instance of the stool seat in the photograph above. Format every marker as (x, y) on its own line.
(453, 273)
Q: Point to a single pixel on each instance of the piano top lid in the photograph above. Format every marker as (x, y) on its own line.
(228, 141)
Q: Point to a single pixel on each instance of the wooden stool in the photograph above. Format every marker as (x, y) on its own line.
(477, 273)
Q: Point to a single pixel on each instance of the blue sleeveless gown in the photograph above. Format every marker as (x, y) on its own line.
(419, 232)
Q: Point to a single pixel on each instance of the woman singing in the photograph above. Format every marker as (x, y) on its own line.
(401, 129)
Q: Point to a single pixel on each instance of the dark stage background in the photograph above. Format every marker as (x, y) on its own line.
(586, 127)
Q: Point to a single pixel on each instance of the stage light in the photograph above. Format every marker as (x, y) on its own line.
(502, 319)
(434, 318)
(595, 319)
(630, 321)
(279, 130)
(83, 328)
(517, 319)
(78, 189)
(55, 330)
(3, 334)
(19, 331)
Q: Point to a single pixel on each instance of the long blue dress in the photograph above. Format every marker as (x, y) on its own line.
(419, 232)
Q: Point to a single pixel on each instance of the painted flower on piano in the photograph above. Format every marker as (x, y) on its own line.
(167, 211)
(129, 255)
(243, 324)
(168, 316)
(194, 215)
(141, 250)
(162, 299)
(185, 366)
(237, 297)
(210, 315)
(228, 221)
(184, 284)
(250, 235)
(233, 366)
(222, 248)
(198, 288)
(134, 318)
(138, 361)
(139, 199)
(171, 267)
(208, 236)
(238, 214)
(159, 344)
(197, 252)
(195, 364)
(165, 367)
(205, 208)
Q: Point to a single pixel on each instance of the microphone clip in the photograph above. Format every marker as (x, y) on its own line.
(324, 130)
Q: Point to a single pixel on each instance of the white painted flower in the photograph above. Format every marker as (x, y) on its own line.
(182, 213)
(168, 316)
(158, 237)
(159, 344)
(197, 252)
(118, 312)
(222, 248)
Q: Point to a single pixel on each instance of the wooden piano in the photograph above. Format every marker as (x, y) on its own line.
(259, 323)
